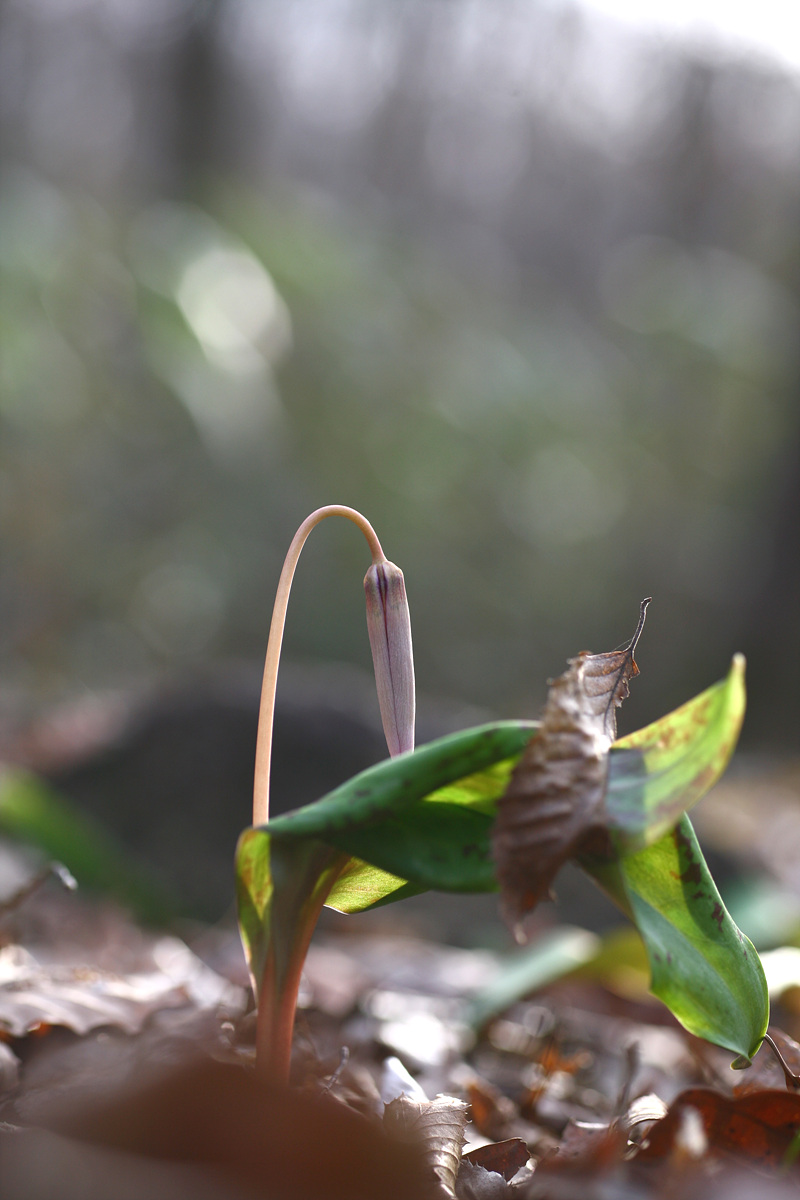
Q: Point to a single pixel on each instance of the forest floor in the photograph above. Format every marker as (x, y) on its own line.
(126, 1071)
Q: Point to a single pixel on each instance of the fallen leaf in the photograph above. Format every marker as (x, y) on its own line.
(759, 1126)
(553, 808)
(506, 1158)
(588, 1148)
(397, 1081)
(275, 1143)
(438, 1127)
(476, 1183)
(642, 1114)
(83, 998)
(605, 679)
(492, 1112)
(9, 1068)
(551, 1060)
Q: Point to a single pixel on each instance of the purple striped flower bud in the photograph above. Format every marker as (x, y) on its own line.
(389, 626)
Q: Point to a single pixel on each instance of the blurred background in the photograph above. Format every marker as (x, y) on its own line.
(518, 280)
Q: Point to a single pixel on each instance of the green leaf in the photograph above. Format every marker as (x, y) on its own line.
(442, 840)
(661, 771)
(383, 803)
(702, 966)
(421, 840)
(279, 885)
(399, 786)
(440, 846)
(398, 782)
(32, 812)
(362, 886)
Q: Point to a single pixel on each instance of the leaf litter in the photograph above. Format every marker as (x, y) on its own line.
(548, 1094)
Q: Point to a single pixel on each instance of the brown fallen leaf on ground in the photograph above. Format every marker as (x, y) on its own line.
(589, 1149)
(438, 1127)
(759, 1126)
(83, 998)
(280, 1144)
(476, 1183)
(505, 1158)
(554, 806)
(492, 1112)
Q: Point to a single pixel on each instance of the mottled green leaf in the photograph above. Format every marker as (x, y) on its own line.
(661, 771)
(362, 885)
(702, 966)
(397, 782)
(440, 846)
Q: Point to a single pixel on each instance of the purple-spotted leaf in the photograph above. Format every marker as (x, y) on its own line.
(554, 807)
(661, 771)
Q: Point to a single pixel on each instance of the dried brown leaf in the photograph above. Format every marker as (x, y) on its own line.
(273, 1143)
(492, 1112)
(505, 1158)
(759, 1126)
(554, 806)
(437, 1126)
(476, 1183)
(588, 1149)
(83, 998)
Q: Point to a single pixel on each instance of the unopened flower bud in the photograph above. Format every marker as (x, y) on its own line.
(389, 626)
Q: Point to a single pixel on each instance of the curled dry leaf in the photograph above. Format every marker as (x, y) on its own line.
(554, 805)
(760, 1126)
(503, 1158)
(437, 1126)
(476, 1183)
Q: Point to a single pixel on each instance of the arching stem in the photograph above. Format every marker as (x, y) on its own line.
(266, 714)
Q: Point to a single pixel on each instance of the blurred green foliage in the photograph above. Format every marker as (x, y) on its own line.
(187, 372)
(31, 813)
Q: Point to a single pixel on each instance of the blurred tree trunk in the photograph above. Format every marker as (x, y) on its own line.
(197, 91)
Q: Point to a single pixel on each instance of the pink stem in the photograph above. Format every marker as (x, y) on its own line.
(266, 714)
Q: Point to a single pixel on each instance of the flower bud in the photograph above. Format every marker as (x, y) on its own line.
(389, 626)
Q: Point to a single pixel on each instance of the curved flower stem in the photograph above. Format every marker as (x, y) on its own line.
(266, 714)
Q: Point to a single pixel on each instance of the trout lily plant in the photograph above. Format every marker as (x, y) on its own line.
(501, 807)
